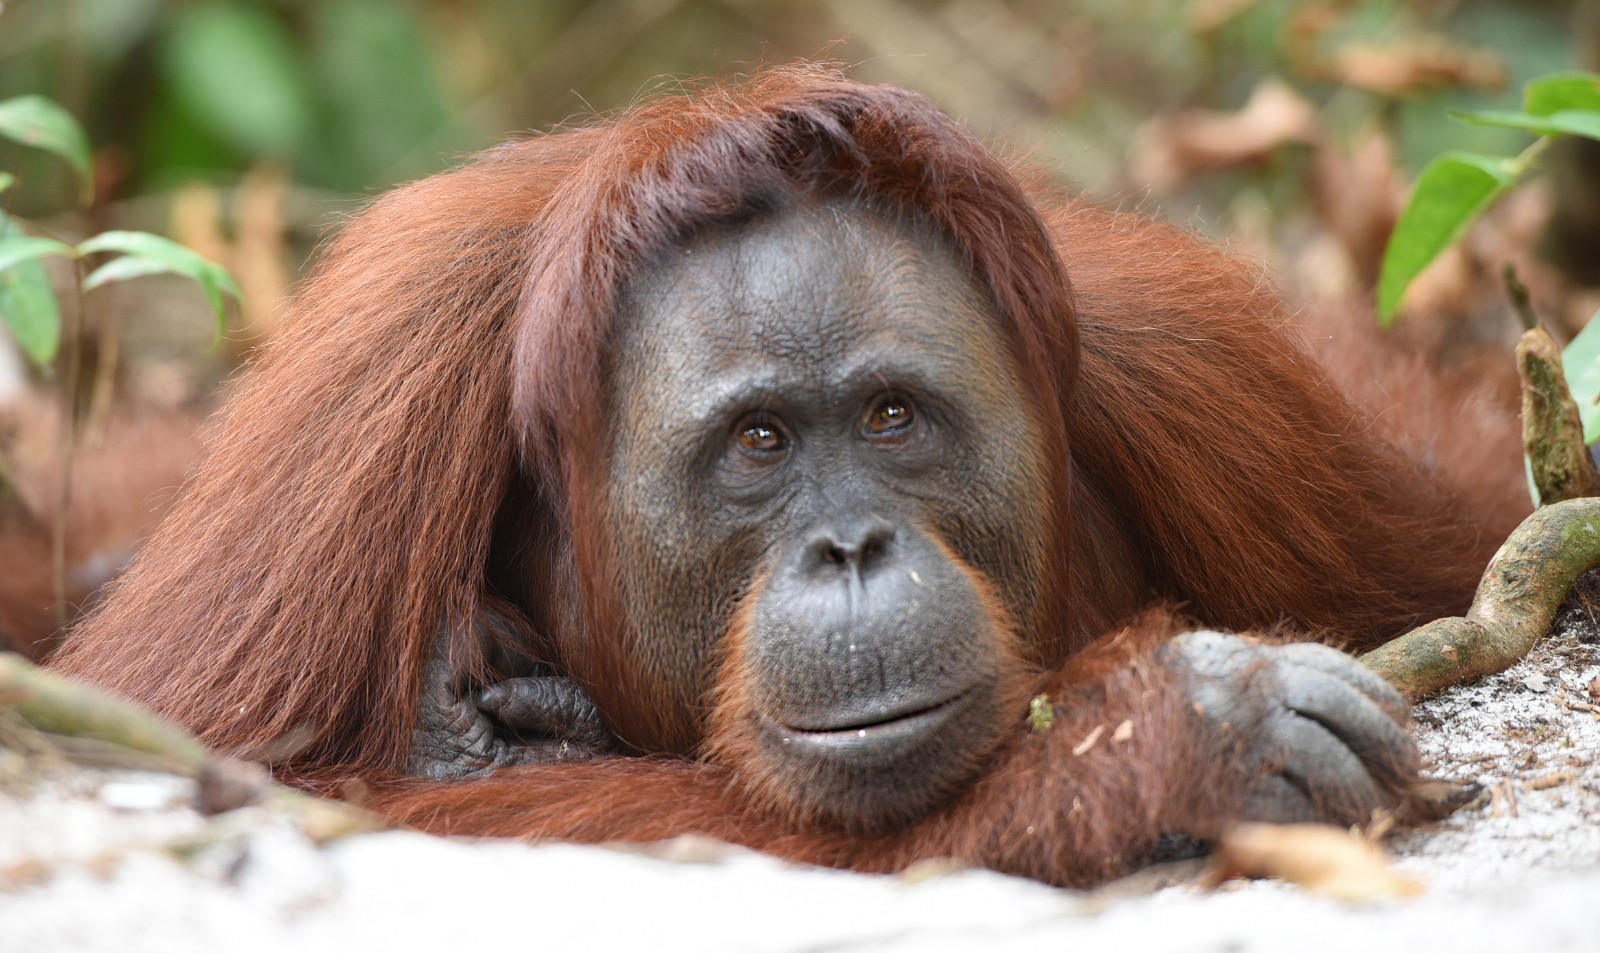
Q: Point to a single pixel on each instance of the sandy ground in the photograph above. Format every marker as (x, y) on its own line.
(116, 860)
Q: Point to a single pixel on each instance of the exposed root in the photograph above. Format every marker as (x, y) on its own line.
(1516, 602)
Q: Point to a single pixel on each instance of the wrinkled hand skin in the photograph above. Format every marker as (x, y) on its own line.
(1322, 737)
(536, 720)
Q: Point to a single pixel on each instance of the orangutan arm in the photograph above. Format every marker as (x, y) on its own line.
(1205, 730)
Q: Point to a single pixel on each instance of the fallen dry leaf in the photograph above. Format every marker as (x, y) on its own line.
(1415, 65)
(1170, 150)
(1537, 683)
(1503, 799)
(1325, 860)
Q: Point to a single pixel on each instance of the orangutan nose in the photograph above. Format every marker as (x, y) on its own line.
(856, 541)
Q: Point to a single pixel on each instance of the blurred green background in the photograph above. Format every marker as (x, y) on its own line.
(349, 97)
(248, 128)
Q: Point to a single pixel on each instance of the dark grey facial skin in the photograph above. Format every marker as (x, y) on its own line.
(801, 406)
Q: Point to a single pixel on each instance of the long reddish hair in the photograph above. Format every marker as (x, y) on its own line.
(346, 505)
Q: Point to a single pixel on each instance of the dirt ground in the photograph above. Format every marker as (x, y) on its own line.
(117, 860)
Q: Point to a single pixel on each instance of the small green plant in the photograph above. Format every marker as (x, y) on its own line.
(28, 303)
(1454, 189)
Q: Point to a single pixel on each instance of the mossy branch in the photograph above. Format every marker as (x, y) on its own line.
(1516, 602)
(1552, 430)
(57, 707)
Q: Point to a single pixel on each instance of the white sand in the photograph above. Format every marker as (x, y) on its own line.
(87, 862)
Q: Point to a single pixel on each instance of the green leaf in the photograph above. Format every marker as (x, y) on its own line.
(1569, 122)
(1450, 192)
(1561, 92)
(128, 268)
(36, 121)
(1580, 360)
(157, 255)
(28, 303)
(125, 268)
(7, 180)
(16, 249)
(180, 259)
(236, 69)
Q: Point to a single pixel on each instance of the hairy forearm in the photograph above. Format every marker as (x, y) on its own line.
(1123, 763)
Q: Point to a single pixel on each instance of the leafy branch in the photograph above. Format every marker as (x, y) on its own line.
(27, 299)
(28, 304)
(1454, 189)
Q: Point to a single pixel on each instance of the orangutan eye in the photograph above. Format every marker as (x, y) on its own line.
(890, 416)
(760, 436)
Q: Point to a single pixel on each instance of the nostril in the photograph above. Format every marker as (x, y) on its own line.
(858, 541)
(875, 537)
(873, 546)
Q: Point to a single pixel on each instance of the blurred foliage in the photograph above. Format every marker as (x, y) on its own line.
(352, 96)
(244, 128)
(28, 308)
(1454, 189)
